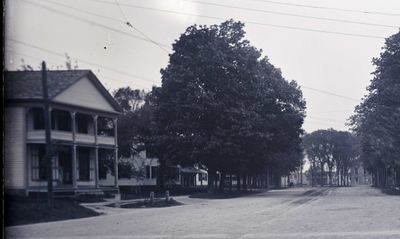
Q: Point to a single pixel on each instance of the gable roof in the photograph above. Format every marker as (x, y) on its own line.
(27, 85)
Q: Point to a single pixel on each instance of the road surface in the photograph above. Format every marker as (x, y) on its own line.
(352, 212)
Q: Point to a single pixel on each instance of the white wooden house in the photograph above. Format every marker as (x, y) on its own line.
(83, 118)
(177, 176)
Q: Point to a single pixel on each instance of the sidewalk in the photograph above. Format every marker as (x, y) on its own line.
(101, 207)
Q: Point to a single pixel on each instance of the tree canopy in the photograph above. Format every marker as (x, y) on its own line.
(223, 105)
(332, 149)
(377, 118)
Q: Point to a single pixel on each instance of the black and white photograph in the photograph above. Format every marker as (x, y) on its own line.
(201, 119)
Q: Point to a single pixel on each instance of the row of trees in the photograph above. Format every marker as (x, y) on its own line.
(220, 105)
(335, 150)
(377, 119)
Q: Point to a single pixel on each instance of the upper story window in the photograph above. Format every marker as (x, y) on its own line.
(60, 120)
(84, 124)
(105, 126)
(38, 118)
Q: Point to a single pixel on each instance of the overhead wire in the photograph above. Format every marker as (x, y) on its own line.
(57, 65)
(291, 14)
(127, 22)
(85, 61)
(327, 8)
(130, 24)
(330, 93)
(248, 22)
(148, 79)
(54, 10)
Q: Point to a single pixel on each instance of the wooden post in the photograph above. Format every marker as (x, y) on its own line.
(167, 196)
(74, 174)
(48, 156)
(151, 198)
(116, 153)
(96, 152)
(74, 166)
(96, 167)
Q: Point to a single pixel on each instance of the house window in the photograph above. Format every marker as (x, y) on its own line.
(84, 164)
(60, 120)
(105, 126)
(106, 163)
(39, 171)
(82, 123)
(39, 164)
(38, 118)
(154, 172)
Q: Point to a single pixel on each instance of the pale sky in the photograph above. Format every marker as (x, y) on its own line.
(338, 63)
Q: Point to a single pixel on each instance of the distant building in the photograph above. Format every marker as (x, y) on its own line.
(144, 172)
(359, 176)
(83, 118)
(297, 178)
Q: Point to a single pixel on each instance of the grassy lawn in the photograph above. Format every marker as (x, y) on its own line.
(21, 210)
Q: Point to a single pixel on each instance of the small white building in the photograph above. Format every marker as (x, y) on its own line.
(144, 172)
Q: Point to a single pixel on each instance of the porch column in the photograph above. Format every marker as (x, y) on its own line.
(73, 126)
(96, 167)
(74, 176)
(115, 121)
(116, 167)
(116, 152)
(96, 159)
(95, 128)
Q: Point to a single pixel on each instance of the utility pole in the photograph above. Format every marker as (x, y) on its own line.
(49, 153)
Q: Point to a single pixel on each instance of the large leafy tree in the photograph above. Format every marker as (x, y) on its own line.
(333, 149)
(345, 153)
(377, 119)
(319, 149)
(222, 105)
(132, 120)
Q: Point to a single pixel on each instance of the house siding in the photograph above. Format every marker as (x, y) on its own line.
(14, 147)
(83, 93)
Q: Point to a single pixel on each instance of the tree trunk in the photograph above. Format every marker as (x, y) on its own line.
(301, 175)
(238, 182)
(322, 175)
(211, 180)
(245, 182)
(312, 176)
(230, 183)
(222, 181)
(397, 176)
(161, 176)
(338, 177)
